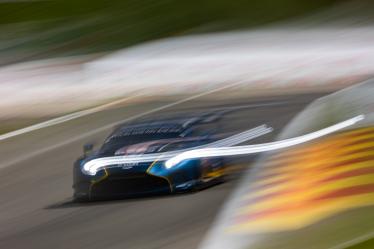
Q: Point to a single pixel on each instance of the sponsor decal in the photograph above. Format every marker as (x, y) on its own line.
(128, 165)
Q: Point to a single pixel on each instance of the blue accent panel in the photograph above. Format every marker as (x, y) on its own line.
(181, 173)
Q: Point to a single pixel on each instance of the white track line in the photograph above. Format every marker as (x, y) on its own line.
(65, 118)
(354, 241)
(103, 128)
(83, 113)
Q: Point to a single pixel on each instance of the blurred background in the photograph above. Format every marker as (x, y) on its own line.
(58, 57)
(70, 70)
(46, 29)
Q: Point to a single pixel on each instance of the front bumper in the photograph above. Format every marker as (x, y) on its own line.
(138, 180)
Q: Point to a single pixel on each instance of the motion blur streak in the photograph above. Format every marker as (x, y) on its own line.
(318, 184)
(64, 118)
(93, 166)
(183, 83)
(36, 208)
(242, 150)
(316, 195)
(355, 241)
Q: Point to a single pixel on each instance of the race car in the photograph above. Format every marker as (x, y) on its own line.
(101, 174)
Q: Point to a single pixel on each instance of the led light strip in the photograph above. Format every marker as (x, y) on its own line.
(251, 149)
(93, 166)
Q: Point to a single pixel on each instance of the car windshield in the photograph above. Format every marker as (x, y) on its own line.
(180, 145)
(147, 132)
(162, 145)
(116, 143)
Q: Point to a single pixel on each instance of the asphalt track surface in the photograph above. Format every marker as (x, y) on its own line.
(36, 210)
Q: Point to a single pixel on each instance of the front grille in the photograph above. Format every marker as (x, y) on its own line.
(130, 184)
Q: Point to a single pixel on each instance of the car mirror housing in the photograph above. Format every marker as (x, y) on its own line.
(87, 148)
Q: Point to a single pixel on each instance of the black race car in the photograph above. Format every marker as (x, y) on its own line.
(105, 174)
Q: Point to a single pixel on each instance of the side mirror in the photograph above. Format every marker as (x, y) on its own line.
(87, 148)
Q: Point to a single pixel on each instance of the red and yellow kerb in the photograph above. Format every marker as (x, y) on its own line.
(301, 186)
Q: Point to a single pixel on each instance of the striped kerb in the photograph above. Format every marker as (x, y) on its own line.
(298, 187)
